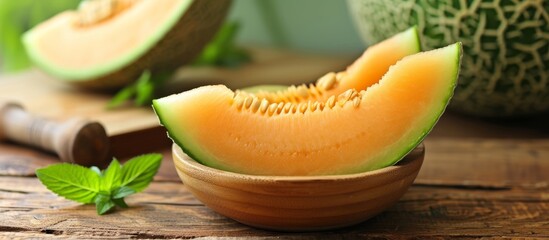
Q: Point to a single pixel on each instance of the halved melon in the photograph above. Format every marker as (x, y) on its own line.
(109, 43)
(364, 72)
(355, 132)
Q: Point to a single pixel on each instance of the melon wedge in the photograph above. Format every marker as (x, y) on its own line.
(355, 132)
(144, 35)
(361, 74)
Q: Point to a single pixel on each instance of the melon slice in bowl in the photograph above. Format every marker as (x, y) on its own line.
(313, 165)
(351, 133)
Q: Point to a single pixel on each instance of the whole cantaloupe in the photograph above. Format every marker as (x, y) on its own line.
(505, 66)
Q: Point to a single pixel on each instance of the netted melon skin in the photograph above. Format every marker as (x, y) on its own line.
(505, 66)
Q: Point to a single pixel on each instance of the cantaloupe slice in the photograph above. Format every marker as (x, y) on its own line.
(355, 132)
(122, 38)
(364, 72)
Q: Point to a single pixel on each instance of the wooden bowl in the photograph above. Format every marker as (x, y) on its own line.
(298, 203)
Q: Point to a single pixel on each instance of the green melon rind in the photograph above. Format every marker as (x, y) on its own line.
(413, 34)
(159, 111)
(436, 115)
(418, 40)
(200, 156)
(107, 67)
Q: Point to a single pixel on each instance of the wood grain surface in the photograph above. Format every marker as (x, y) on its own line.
(467, 188)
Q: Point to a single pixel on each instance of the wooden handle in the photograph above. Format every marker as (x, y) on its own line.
(75, 140)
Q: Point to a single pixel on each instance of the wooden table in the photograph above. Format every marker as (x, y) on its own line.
(479, 179)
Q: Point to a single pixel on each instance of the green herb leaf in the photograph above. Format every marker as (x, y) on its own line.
(107, 188)
(120, 202)
(144, 89)
(221, 51)
(122, 96)
(141, 91)
(139, 171)
(111, 177)
(122, 192)
(70, 181)
(103, 203)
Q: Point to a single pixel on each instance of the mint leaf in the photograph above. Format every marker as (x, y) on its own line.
(144, 89)
(103, 203)
(221, 51)
(70, 181)
(120, 202)
(122, 96)
(139, 171)
(122, 192)
(111, 177)
(106, 188)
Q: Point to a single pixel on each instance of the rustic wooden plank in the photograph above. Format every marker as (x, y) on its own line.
(455, 125)
(412, 218)
(17, 160)
(489, 163)
(29, 193)
(467, 188)
(167, 209)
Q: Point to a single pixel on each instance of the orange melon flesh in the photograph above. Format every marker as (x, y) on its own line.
(376, 60)
(391, 118)
(365, 71)
(58, 44)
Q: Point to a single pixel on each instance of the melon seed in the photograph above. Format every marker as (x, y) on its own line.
(314, 91)
(356, 101)
(280, 107)
(327, 81)
(341, 102)
(313, 106)
(255, 104)
(287, 107)
(331, 102)
(264, 105)
(347, 95)
(294, 108)
(340, 75)
(321, 106)
(90, 12)
(302, 91)
(272, 108)
(292, 90)
(303, 107)
(238, 101)
(248, 102)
